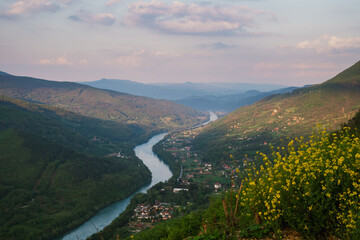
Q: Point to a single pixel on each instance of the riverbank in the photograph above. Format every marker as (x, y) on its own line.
(160, 172)
(187, 200)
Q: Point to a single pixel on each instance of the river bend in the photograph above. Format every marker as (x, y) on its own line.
(160, 173)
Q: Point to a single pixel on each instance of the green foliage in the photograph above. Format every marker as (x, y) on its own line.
(312, 188)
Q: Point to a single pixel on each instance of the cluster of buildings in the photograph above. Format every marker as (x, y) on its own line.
(154, 213)
(193, 169)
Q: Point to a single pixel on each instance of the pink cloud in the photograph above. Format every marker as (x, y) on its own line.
(28, 8)
(112, 2)
(140, 58)
(333, 44)
(59, 61)
(99, 18)
(178, 17)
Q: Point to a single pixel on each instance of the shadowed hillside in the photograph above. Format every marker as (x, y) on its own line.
(83, 134)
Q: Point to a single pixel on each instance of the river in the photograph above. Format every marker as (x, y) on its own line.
(160, 173)
(213, 117)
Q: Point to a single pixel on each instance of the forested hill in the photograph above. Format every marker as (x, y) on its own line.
(147, 113)
(57, 168)
(251, 128)
(47, 189)
(82, 134)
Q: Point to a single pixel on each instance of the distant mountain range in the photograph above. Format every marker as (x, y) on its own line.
(252, 128)
(228, 103)
(177, 91)
(4, 73)
(224, 97)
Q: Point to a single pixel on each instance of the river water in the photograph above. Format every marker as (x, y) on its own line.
(160, 173)
(213, 117)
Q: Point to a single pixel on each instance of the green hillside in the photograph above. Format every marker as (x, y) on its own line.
(47, 184)
(146, 113)
(83, 134)
(349, 76)
(47, 189)
(251, 128)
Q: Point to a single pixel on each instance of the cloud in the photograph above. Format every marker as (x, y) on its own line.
(100, 18)
(182, 18)
(112, 2)
(332, 44)
(217, 46)
(27, 8)
(140, 58)
(60, 61)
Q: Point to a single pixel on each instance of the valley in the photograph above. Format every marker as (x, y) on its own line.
(70, 151)
(59, 151)
(222, 175)
(179, 120)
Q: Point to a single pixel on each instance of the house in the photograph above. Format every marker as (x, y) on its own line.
(227, 167)
(177, 190)
(217, 185)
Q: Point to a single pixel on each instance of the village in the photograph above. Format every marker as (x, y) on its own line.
(194, 171)
(145, 215)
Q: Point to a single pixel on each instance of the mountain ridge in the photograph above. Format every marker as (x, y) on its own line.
(229, 103)
(178, 91)
(155, 115)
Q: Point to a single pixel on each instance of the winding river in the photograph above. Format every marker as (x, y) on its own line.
(160, 173)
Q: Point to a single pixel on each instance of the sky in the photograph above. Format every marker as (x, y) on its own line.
(287, 42)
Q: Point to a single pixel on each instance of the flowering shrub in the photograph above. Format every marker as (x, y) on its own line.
(313, 186)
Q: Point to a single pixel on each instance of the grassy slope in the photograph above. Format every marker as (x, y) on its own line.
(245, 130)
(102, 104)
